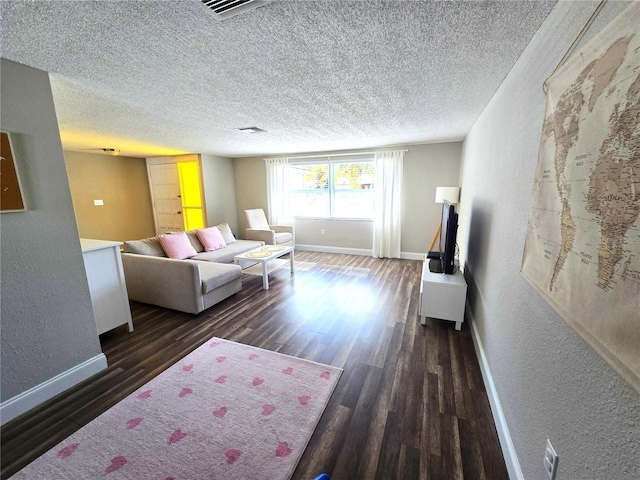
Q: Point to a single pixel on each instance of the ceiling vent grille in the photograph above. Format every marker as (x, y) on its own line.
(223, 9)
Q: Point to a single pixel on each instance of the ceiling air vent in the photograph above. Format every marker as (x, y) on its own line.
(223, 9)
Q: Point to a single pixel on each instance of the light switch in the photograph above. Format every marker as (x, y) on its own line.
(98, 202)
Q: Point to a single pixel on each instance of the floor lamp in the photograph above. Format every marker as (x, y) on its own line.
(451, 195)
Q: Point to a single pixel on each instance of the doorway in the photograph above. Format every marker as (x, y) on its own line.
(176, 191)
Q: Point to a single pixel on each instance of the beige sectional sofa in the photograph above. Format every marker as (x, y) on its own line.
(191, 285)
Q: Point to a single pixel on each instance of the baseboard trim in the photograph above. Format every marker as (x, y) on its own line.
(28, 399)
(328, 249)
(508, 450)
(412, 255)
(355, 251)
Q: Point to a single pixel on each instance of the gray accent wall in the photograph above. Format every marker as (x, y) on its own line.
(250, 177)
(425, 167)
(48, 325)
(220, 193)
(550, 383)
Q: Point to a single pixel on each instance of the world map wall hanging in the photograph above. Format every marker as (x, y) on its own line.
(582, 249)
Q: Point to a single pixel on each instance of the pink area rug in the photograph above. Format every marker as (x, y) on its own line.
(225, 411)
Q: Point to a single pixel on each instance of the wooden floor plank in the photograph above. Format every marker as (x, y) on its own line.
(389, 458)
(348, 461)
(492, 460)
(410, 403)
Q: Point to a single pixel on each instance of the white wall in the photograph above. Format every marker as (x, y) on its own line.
(425, 167)
(48, 326)
(550, 383)
(220, 193)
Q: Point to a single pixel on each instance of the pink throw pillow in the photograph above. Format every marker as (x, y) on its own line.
(177, 245)
(211, 239)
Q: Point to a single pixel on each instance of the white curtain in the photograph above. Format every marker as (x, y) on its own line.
(278, 191)
(387, 204)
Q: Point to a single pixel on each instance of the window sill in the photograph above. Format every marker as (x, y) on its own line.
(335, 218)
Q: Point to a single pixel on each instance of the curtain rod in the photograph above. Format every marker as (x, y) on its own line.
(572, 47)
(338, 154)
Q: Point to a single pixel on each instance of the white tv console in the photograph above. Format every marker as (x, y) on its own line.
(442, 296)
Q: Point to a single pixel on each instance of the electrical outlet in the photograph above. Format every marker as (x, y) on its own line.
(98, 203)
(322, 231)
(550, 460)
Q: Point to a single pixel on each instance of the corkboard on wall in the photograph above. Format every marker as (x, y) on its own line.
(10, 192)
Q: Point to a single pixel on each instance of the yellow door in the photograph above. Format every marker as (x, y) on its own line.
(191, 197)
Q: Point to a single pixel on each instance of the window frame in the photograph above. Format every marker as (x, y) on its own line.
(331, 186)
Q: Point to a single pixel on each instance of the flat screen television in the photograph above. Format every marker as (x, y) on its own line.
(445, 263)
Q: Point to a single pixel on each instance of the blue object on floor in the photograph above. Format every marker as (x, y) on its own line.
(322, 476)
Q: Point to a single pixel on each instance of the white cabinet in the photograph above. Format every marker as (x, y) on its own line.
(442, 296)
(103, 265)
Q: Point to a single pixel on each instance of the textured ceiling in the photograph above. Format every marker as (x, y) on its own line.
(164, 77)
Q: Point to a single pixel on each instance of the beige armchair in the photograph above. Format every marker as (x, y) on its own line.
(259, 229)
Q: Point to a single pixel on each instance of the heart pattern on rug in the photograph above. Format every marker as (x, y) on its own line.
(232, 455)
(133, 423)
(221, 412)
(265, 401)
(116, 464)
(145, 394)
(68, 450)
(268, 409)
(283, 450)
(176, 436)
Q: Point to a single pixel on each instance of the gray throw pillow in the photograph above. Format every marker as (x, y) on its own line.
(227, 234)
(147, 246)
(195, 241)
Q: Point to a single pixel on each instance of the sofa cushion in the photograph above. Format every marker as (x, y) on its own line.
(226, 232)
(211, 239)
(195, 241)
(147, 246)
(177, 245)
(226, 254)
(283, 237)
(214, 275)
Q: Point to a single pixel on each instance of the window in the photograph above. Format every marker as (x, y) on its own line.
(332, 189)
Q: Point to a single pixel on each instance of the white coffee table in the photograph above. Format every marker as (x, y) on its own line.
(264, 255)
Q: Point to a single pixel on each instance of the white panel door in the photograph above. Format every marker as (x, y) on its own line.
(167, 201)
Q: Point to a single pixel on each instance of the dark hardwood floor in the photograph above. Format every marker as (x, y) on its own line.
(410, 404)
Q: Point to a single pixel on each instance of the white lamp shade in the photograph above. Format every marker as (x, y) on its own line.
(451, 194)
